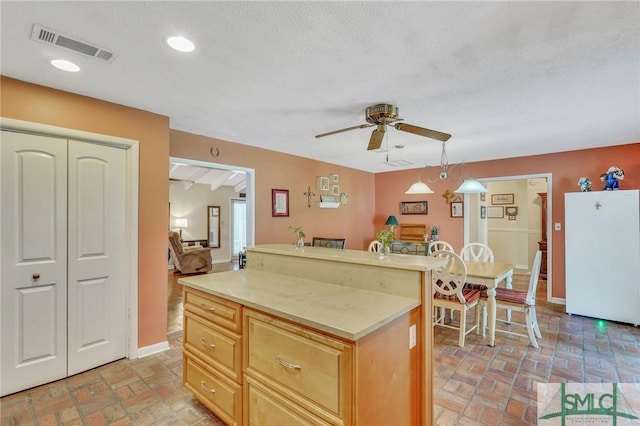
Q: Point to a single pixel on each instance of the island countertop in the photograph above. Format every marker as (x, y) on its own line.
(395, 261)
(346, 312)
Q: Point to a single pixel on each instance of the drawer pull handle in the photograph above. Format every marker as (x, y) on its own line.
(287, 365)
(203, 385)
(207, 307)
(208, 345)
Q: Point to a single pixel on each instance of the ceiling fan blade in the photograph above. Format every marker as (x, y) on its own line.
(433, 134)
(376, 139)
(360, 126)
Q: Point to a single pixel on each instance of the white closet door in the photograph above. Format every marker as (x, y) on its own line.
(97, 255)
(33, 261)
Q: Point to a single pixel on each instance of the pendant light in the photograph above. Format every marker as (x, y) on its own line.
(471, 186)
(419, 188)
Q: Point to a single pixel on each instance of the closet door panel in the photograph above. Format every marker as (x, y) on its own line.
(97, 267)
(33, 260)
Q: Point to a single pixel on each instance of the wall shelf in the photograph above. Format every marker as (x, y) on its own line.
(328, 204)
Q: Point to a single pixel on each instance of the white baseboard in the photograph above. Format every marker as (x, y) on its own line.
(559, 300)
(153, 349)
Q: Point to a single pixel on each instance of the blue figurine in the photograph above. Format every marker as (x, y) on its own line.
(585, 184)
(611, 178)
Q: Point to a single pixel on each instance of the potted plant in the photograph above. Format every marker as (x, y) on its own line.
(435, 231)
(385, 237)
(299, 235)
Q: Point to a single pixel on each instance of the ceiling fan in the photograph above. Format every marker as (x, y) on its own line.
(381, 115)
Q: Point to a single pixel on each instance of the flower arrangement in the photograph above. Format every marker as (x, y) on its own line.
(385, 237)
(298, 231)
(435, 229)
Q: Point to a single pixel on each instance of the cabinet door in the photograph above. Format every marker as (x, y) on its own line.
(33, 261)
(602, 247)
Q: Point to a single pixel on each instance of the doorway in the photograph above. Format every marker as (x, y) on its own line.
(525, 227)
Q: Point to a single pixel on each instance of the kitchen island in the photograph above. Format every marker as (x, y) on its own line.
(312, 335)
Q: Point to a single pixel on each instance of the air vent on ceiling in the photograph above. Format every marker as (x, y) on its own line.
(44, 35)
(398, 163)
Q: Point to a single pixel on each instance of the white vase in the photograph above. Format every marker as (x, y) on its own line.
(384, 251)
(300, 242)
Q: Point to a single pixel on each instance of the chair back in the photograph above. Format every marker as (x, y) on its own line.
(374, 246)
(449, 279)
(337, 243)
(533, 280)
(174, 242)
(478, 252)
(439, 245)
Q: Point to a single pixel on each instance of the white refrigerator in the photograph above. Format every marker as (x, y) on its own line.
(602, 254)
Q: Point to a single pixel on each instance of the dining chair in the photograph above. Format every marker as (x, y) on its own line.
(523, 300)
(478, 252)
(439, 245)
(449, 293)
(374, 246)
(337, 243)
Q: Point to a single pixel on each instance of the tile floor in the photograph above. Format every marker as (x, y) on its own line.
(475, 385)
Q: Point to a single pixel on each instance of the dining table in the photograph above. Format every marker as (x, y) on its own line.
(490, 274)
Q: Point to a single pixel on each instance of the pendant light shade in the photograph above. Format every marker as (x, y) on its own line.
(419, 188)
(471, 186)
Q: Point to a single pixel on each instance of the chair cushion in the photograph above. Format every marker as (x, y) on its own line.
(469, 295)
(511, 295)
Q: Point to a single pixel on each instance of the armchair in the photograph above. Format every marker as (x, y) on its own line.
(188, 261)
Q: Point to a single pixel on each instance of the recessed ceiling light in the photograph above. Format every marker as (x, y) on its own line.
(65, 65)
(180, 43)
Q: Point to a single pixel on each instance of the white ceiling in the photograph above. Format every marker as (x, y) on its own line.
(504, 78)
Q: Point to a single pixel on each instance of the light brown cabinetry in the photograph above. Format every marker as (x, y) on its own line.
(301, 376)
(213, 353)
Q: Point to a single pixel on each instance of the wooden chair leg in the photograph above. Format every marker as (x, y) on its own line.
(530, 326)
(463, 328)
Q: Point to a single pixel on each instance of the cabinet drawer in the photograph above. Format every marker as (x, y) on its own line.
(219, 311)
(299, 360)
(215, 346)
(266, 407)
(219, 394)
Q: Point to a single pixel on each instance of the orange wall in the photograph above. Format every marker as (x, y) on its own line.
(274, 170)
(565, 167)
(38, 104)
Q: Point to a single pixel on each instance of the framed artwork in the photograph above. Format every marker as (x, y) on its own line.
(512, 217)
(323, 183)
(279, 202)
(483, 212)
(413, 207)
(335, 178)
(457, 209)
(501, 199)
(335, 190)
(495, 212)
(511, 211)
(483, 196)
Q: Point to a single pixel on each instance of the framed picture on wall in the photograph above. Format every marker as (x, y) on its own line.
(323, 183)
(457, 209)
(413, 207)
(279, 202)
(483, 212)
(495, 212)
(501, 199)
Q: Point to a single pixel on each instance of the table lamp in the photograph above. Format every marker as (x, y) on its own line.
(392, 222)
(181, 222)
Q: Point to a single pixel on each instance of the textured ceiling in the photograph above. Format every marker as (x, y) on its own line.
(504, 78)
